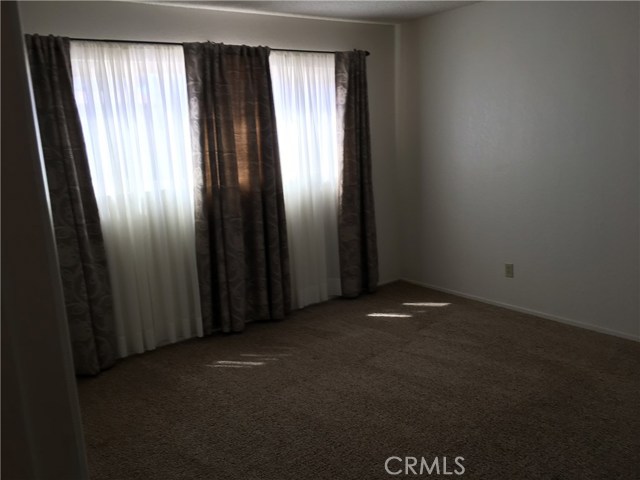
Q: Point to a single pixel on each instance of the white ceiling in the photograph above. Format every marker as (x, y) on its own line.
(395, 11)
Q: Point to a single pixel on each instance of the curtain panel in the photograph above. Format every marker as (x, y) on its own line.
(241, 236)
(304, 91)
(132, 101)
(81, 253)
(356, 214)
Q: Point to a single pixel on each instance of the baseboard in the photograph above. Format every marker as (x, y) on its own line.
(536, 313)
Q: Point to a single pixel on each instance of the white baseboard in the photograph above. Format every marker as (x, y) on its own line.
(536, 313)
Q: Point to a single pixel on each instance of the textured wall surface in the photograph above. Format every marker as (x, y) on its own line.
(518, 143)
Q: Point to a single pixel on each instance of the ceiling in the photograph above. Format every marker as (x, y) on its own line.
(369, 11)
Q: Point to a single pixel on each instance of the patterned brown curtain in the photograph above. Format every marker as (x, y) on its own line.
(81, 254)
(241, 233)
(356, 215)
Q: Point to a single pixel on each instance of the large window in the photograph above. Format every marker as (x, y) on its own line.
(133, 107)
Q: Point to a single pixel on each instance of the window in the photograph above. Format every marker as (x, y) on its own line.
(133, 107)
(305, 103)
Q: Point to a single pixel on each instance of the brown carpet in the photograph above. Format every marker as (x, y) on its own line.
(335, 392)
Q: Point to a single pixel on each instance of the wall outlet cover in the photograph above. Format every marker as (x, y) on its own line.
(508, 270)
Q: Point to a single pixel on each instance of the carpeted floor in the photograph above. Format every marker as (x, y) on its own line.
(331, 393)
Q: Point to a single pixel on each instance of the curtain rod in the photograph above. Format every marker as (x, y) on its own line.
(148, 42)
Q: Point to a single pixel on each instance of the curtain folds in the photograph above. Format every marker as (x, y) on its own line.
(241, 236)
(235, 197)
(132, 101)
(305, 98)
(81, 253)
(356, 216)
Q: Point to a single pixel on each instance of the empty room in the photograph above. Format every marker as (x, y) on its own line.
(320, 240)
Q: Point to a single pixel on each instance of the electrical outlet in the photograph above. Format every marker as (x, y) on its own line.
(508, 270)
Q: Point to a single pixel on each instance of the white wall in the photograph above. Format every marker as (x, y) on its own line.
(116, 20)
(518, 143)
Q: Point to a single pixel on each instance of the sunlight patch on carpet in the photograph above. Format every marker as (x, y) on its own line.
(229, 366)
(425, 304)
(271, 356)
(250, 360)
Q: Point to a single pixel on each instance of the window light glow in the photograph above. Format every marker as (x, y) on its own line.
(304, 96)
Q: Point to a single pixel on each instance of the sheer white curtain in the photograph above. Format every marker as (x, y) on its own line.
(305, 102)
(133, 107)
